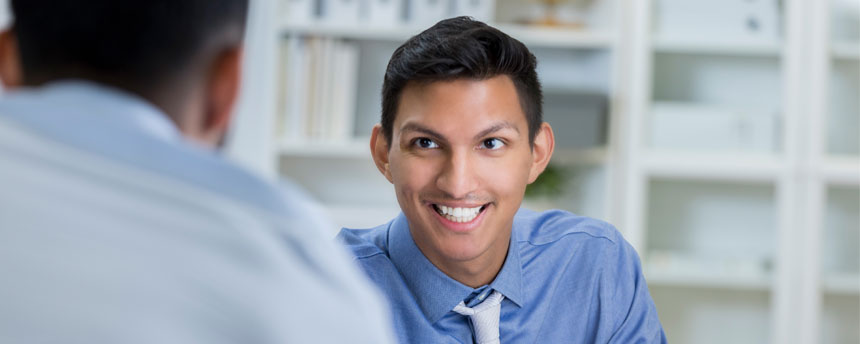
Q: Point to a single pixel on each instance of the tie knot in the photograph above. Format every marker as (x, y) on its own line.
(491, 302)
(484, 318)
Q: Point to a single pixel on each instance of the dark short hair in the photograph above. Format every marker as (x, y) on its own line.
(132, 43)
(459, 48)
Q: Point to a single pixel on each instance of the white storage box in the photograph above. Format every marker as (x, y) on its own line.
(686, 126)
(730, 20)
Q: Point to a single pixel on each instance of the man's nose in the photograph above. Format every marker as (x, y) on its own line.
(458, 177)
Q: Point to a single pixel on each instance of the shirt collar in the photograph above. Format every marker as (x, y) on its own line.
(91, 102)
(435, 292)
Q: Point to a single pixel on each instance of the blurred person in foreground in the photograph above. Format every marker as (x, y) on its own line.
(461, 136)
(119, 220)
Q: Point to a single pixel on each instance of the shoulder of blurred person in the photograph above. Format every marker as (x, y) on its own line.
(120, 221)
(120, 228)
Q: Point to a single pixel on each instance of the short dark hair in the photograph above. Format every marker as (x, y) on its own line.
(130, 43)
(458, 48)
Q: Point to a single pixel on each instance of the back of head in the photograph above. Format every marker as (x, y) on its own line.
(462, 48)
(140, 46)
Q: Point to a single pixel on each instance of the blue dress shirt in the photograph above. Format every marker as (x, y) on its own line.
(566, 279)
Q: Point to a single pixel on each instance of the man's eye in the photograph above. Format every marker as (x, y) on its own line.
(426, 143)
(492, 144)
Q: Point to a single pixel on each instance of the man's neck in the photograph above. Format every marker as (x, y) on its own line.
(477, 272)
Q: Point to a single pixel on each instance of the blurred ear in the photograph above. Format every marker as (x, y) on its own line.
(10, 64)
(379, 149)
(542, 152)
(222, 91)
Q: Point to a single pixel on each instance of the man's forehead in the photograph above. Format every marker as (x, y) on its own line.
(461, 104)
(414, 125)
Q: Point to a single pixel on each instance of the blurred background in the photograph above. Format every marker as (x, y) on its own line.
(722, 137)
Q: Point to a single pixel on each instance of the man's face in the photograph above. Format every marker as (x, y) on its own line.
(460, 161)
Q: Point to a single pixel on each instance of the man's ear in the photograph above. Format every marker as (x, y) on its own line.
(379, 149)
(10, 62)
(542, 151)
(222, 91)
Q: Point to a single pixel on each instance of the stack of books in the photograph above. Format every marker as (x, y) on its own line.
(320, 77)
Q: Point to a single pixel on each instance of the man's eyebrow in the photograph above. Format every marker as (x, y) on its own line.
(496, 127)
(421, 129)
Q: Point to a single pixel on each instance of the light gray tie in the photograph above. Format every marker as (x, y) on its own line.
(484, 317)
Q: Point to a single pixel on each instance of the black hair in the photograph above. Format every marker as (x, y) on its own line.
(458, 48)
(138, 45)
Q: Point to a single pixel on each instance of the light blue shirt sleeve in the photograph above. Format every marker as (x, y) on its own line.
(635, 313)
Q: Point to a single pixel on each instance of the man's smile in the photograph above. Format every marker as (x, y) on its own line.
(459, 217)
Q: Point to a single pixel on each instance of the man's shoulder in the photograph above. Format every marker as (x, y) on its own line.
(367, 242)
(553, 226)
(28, 118)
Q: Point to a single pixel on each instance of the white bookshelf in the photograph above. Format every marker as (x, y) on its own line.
(748, 232)
(694, 201)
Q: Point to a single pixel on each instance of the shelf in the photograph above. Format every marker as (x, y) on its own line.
(848, 284)
(845, 50)
(734, 48)
(559, 38)
(585, 156)
(707, 279)
(713, 166)
(842, 170)
(532, 36)
(356, 148)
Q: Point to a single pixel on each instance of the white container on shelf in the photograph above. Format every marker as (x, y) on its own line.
(298, 11)
(732, 20)
(482, 10)
(427, 12)
(341, 12)
(689, 126)
(384, 12)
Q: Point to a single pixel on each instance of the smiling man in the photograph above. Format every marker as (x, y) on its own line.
(461, 136)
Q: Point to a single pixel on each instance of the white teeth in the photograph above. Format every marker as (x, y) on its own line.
(458, 215)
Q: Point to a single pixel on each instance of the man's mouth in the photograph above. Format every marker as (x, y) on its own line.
(459, 214)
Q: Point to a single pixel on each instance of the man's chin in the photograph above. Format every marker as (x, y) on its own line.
(462, 250)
